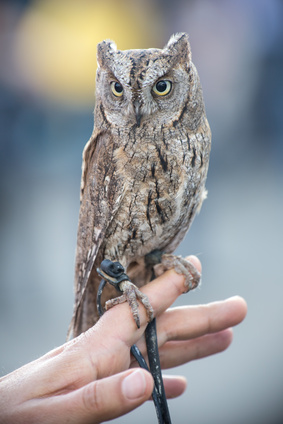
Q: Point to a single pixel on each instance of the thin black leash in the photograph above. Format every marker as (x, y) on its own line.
(116, 273)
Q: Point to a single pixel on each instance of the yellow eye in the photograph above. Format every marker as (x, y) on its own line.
(116, 88)
(162, 87)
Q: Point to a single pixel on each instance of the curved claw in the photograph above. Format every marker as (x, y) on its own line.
(132, 295)
(181, 266)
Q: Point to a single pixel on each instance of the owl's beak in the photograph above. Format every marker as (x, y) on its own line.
(138, 114)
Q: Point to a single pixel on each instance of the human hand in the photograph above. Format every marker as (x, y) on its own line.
(90, 379)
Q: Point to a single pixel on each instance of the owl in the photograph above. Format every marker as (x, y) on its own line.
(144, 167)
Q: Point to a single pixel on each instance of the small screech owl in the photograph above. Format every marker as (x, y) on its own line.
(144, 167)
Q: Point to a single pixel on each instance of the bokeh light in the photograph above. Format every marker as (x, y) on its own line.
(55, 43)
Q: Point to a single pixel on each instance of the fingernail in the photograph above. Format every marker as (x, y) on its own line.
(134, 385)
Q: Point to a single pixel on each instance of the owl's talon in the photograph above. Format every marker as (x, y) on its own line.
(113, 272)
(181, 266)
(132, 295)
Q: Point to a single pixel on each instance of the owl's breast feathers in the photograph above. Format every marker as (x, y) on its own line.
(164, 176)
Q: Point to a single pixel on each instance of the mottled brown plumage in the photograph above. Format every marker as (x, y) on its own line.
(144, 167)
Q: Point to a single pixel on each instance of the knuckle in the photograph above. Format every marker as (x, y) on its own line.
(92, 399)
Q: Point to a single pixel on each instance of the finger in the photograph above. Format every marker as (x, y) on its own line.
(173, 354)
(162, 292)
(195, 261)
(117, 329)
(189, 322)
(101, 400)
(174, 385)
(194, 321)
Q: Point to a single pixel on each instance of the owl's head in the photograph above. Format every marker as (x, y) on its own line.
(136, 86)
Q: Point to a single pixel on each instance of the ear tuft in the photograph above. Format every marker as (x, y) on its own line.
(105, 49)
(179, 43)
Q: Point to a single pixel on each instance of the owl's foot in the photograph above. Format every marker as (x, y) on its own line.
(181, 266)
(132, 295)
(114, 273)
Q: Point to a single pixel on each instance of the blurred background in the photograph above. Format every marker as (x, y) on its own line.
(47, 83)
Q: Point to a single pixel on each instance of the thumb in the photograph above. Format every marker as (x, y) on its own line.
(109, 397)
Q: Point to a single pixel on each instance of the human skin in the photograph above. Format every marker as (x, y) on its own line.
(93, 378)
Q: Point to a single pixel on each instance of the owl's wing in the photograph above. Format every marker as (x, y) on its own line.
(102, 191)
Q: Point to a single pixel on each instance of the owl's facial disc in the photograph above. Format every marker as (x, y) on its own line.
(136, 86)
